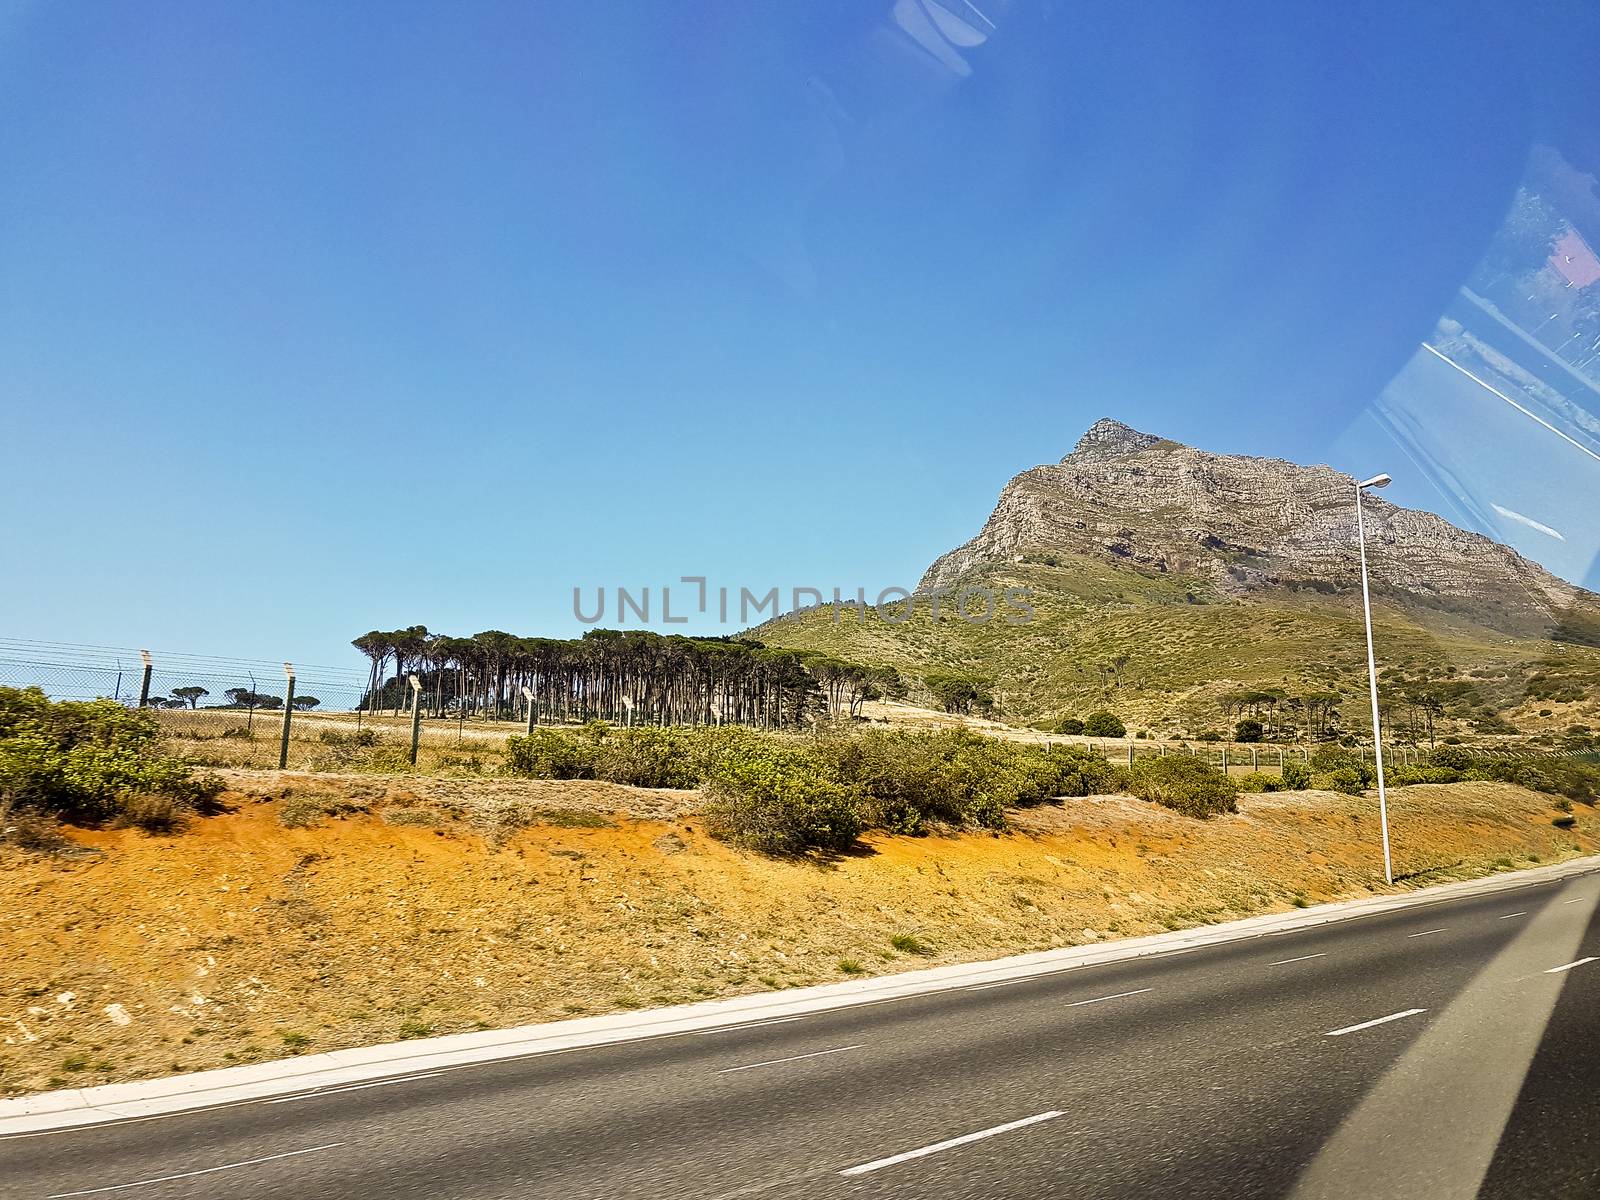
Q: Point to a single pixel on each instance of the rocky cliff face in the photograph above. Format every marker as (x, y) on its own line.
(1253, 524)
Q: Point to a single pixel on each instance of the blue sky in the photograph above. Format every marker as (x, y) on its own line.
(315, 318)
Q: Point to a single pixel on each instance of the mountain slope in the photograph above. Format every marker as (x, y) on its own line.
(1167, 579)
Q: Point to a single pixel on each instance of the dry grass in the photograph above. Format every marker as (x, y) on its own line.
(242, 939)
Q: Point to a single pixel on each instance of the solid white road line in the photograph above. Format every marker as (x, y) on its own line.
(878, 1164)
(1116, 996)
(354, 1087)
(984, 987)
(1569, 966)
(1303, 958)
(1426, 932)
(1508, 916)
(1410, 1012)
(249, 1162)
(751, 1025)
(772, 1062)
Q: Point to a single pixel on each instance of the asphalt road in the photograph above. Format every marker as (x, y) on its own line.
(1446, 1050)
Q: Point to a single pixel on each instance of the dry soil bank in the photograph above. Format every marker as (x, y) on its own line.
(433, 911)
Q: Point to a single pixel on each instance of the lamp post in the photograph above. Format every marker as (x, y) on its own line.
(1377, 481)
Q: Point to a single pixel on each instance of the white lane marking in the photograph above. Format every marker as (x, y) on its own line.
(1569, 966)
(983, 987)
(353, 1087)
(772, 1062)
(1303, 958)
(1117, 996)
(1508, 916)
(1579, 900)
(750, 1025)
(1410, 1012)
(1426, 932)
(249, 1162)
(878, 1164)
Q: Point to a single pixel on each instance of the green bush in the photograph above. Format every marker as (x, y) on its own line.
(1104, 724)
(1069, 725)
(1348, 780)
(656, 758)
(1183, 784)
(84, 760)
(1248, 730)
(1296, 776)
(1420, 773)
(1450, 758)
(549, 754)
(1260, 781)
(780, 802)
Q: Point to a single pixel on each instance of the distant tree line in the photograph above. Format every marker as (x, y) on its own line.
(629, 677)
(190, 695)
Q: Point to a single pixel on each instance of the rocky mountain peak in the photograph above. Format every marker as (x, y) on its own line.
(1242, 525)
(1107, 439)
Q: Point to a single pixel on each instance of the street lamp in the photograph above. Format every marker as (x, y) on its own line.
(1377, 481)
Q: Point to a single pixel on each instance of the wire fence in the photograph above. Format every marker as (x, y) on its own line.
(221, 711)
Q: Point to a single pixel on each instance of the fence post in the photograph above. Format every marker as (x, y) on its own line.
(1280, 760)
(1254, 758)
(144, 685)
(416, 715)
(1224, 760)
(1130, 752)
(288, 713)
(527, 694)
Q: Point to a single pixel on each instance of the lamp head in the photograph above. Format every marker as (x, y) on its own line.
(1377, 481)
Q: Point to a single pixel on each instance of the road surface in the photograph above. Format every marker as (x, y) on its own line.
(1444, 1050)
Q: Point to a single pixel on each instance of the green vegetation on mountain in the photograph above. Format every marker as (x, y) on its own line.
(1196, 594)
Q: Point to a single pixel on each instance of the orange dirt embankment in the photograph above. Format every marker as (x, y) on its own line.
(241, 939)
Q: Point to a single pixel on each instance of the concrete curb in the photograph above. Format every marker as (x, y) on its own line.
(71, 1108)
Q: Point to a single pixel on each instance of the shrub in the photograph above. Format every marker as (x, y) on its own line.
(1248, 730)
(657, 758)
(1069, 725)
(1451, 758)
(1104, 724)
(1183, 784)
(1296, 776)
(1260, 781)
(548, 754)
(32, 831)
(779, 801)
(910, 943)
(153, 814)
(83, 760)
(1420, 773)
(1343, 779)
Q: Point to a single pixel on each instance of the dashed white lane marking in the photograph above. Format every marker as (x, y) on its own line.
(249, 1162)
(772, 1062)
(1282, 962)
(1426, 932)
(1410, 1012)
(1569, 966)
(750, 1025)
(1116, 996)
(984, 987)
(353, 1087)
(878, 1164)
(1579, 900)
(1508, 916)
